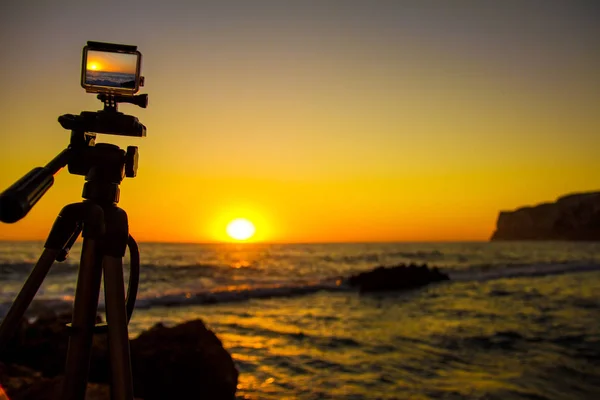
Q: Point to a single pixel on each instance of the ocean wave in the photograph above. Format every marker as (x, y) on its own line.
(236, 295)
(188, 298)
(15, 269)
(370, 257)
(378, 257)
(41, 307)
(421, 255)
(329, 342)
(244, 292)
(23, 269)
(580, 345)
(486, 273)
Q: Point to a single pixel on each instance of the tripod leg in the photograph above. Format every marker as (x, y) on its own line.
(84, 318)
(26, 295)
(118, 338)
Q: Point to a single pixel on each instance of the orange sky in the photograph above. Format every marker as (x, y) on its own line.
(112, 62)
(388, 121)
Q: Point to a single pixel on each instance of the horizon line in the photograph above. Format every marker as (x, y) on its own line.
(279, 242)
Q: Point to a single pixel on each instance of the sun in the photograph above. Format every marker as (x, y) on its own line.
(240, 229)
(93, 66)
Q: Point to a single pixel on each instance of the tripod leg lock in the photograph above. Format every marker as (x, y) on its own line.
(100, 328)
(117, 232)
(68, 225)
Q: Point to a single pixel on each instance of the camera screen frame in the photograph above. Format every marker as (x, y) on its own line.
(111, 48)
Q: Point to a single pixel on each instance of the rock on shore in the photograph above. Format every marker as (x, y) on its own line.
(185, 361)
(572, 217)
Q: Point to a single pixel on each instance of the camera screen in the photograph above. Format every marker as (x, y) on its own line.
(111, 69)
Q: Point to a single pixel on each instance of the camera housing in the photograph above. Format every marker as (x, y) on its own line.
(112, 69)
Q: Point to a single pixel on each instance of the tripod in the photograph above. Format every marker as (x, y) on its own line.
(105, 232)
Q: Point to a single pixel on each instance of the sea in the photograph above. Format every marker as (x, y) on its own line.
(111, 79)
(517, 320)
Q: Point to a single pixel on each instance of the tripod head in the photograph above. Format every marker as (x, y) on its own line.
(109, 120)
(112, 71)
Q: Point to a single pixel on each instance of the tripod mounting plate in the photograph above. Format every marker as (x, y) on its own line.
(105, 121)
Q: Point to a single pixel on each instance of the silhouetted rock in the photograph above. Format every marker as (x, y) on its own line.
(397, 277)
(185, 361)
(572, 217)
(42, 346)
(21, 383)
(16, 379)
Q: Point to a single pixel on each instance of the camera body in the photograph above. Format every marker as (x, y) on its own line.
(111, 69)
(113, 72)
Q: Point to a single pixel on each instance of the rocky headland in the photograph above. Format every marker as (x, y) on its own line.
(571, 217)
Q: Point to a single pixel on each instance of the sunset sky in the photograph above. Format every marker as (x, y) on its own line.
(111, 62)
(316, 120)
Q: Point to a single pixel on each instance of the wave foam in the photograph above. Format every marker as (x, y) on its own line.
(188, 298)
(245, 293)
(522, 270)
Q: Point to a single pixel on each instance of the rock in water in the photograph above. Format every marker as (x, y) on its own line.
(397, 277)
(572, 217)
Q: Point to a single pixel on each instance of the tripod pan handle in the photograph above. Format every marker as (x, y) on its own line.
(17, 200)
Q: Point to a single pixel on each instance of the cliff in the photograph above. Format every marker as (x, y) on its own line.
(571, 217)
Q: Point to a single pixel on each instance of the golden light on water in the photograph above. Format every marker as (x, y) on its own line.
(240, 229)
